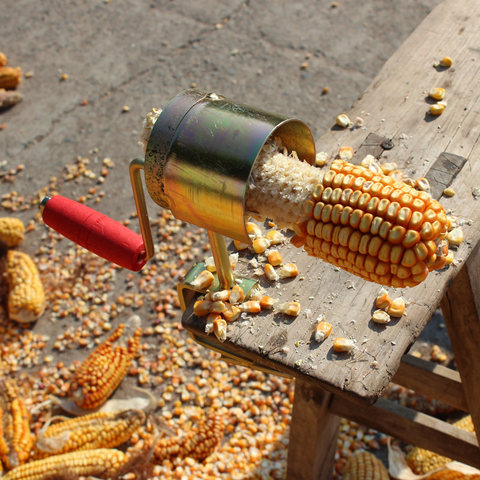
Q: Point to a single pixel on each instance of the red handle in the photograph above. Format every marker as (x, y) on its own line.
(95, 232)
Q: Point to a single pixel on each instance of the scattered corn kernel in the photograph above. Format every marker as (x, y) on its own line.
(383, 300)
(455, 236)
(341, 344)
(422, 184)
(446, 62)
(260, 244)
(217, 307)
(345, 153)
(253, 230)
(289, 308)
(271, 273)
(321, 159)
(322, 330)
(231, 313)
(275, 237)
(381, 317)
(221, 295)
(203, 280)
(202, 307)
(250, 306)
(274, 258)
(240, 245)
(437, 93)
(397, 307)
(288, 270)
(220, 329)
(449, 192)
(437, 109)
(343, 121)
(236, 295)
(211, 317)
(266, 302)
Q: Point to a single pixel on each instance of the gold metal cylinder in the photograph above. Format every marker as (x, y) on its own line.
(201, 153)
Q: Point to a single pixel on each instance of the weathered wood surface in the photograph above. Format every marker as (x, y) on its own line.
(411, 426)
(314, 430)
(393, 107)
(461, 311)
(432, 380)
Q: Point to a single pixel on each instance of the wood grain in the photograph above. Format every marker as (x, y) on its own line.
(394, 106)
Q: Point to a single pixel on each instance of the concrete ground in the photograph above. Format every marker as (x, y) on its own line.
(278, 55)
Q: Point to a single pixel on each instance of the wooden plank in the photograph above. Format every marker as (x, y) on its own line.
(313, 434)
(412, 427)
(431, 380)
(460, 309)
(396, 105)
(443, 172)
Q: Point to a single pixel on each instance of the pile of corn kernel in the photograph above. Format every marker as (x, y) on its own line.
(87, 297)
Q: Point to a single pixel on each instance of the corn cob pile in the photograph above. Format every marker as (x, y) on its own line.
(363, 465)
(103, 370)
(362, 221)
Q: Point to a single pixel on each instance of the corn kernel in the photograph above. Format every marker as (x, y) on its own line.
(345, 153)
(370, 162)
(202, 308)
(388, 167)
(381, 317)
(266, 302)
(275, 237)
(397, 307)
(274, 258)
(446, 62)
(449, 192)
(383, 300)
(240, 245)
(422, 184)
(231, 313)
(343, 121)
(288, 270)
(203, 280)
(289, 308)
(322, 329)
(437, 93)
(271, 273)
(236, 295)
(250, 306)
(321, 159)
(343, 345)
(253, 230)
(260, 244)
(217, 307)
(220, 329)
(221, 295)
(437, 109)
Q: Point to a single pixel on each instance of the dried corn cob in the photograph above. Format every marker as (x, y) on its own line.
(16, 440)
(103, 370)
(101, 462)
(365, 222)
(364, 465)
(95, 430)
(423, 461)
(197, 443)
(452, 475)
(26, 298)
(10, 77)
(12, 230)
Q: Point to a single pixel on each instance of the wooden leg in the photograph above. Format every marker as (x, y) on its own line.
(461, 310)
(313, 434)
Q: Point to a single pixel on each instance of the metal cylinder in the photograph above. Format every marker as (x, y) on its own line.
(201, 152)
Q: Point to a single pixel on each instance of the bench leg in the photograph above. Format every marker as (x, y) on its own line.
(313, 434)
(461, 310)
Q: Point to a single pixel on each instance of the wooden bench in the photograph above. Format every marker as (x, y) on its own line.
(446, 149)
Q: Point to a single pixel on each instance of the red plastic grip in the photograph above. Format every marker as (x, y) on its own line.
(95, 231)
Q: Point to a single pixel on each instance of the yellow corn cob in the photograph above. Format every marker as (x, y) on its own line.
(101, 463)
(12, 231)
(364, 466)
(381, 230)
(452, 475)
(16, 440)
(10, 77)
(423, 461)
(197, 443)
(103, 370)
(26, 298)
(95, 430)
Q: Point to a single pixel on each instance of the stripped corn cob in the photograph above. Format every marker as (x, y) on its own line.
(12, 231)
(423, 461)
(101, 462)
(26, 298)
(103, 370)
(197, 443)
(95, 430)
(16, 440)
(364, 465)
